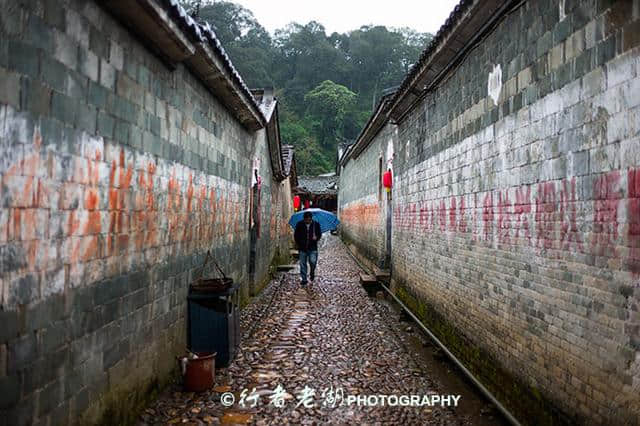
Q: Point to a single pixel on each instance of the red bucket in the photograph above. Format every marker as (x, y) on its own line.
(199, 373)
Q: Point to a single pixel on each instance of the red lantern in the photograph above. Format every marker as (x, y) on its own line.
(296, 202)
(387, 180)
(306, 204)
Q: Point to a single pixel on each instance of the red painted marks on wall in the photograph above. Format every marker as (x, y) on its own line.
(92, 197)
(442, 215)
(504, 217)
(190, 193)
(86, 225)
(605, 222)
(145, 214)
(106, 211)
(362, 216)
(187, 231)
(545, 215)
(633, 212)
(413, 215)
(120, 177)
(521, 211)
(474, 220)
(424, 216)
(487, 216)
(20, 179)
(462, 224)
(174, 206)
(452, 215)
(399, 216)
(570, 236)
(551, 220)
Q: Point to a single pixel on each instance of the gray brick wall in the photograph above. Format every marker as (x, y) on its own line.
(117, 174)
(362, 201)
(515, 228)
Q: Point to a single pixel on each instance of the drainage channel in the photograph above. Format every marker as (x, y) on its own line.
(508, 417)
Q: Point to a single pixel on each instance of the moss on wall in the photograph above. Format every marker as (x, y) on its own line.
(526, 402)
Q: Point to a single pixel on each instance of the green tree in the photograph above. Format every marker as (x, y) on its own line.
(327, 85)
(305, 57)
(328, 104)
(247, 43)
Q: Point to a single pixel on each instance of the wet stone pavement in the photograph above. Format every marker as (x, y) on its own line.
(331, 339)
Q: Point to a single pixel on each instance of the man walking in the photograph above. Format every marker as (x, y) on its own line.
(306, 235)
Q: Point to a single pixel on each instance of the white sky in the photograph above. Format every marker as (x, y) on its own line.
(346, 15)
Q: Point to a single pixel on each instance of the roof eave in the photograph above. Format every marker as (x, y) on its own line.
(153, 22)
(465, 25)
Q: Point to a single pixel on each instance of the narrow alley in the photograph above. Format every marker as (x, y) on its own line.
(483, 180)
(331, 338)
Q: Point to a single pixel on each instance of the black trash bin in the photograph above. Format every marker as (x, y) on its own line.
(213, 324)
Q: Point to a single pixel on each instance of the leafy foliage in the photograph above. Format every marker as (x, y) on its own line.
(327, 105)
(327, 85)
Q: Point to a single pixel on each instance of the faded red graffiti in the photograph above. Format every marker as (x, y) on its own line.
(442, 215)
(633, 211)
(521, 210)
(487, 216)
(424, 217)
(462, 225)
(362, 215)
(504, 217)
(120, 177)
(545, 215)
(605, 222)
(554, 220)
(452, 215)
(570, 237)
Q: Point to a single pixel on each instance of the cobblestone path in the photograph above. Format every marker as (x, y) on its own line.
(330, 338)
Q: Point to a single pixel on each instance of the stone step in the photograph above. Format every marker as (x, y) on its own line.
(368, 279)
(285, 267)
(382, 274)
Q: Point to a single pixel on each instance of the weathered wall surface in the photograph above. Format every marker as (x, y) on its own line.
(275, 207)
(280, 232)
(516, 221)
(117, 174)
(362, 202)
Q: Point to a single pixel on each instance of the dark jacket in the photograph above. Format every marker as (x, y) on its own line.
(303, 238)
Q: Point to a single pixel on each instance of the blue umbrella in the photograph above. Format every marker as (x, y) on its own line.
(327, 220)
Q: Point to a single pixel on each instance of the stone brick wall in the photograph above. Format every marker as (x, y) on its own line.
(516, 211)
(276, 206)
(362, 201)
(117, 175)
(281, 234)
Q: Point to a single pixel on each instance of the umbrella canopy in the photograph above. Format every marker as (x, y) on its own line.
(327, 220)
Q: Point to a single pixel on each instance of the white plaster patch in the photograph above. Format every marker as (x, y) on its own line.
(389, 154)
(92, 147)
(256, 167)
(563, 15)
(494, 84)
(55, 284)
(408, 149)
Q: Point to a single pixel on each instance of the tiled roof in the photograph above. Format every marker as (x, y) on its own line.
(287, 157)
(453, 18)
(204, 33)
(176, 38)
(266, 101)
(467, 23)
(318, 184)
